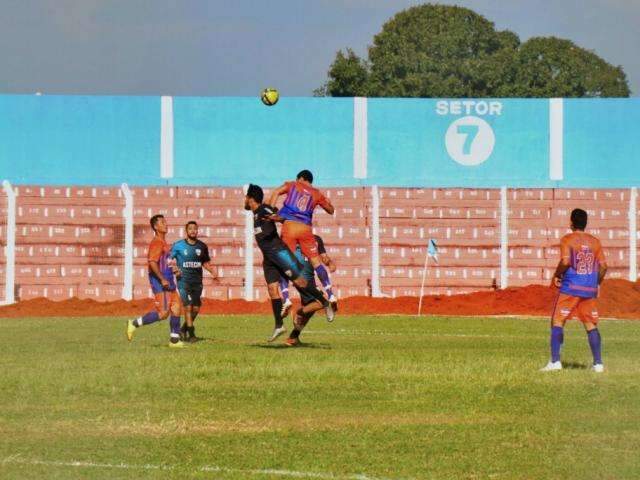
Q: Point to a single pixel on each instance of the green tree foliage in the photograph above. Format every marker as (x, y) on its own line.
(448, 51)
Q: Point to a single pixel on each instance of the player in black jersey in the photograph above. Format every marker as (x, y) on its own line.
(279, 261)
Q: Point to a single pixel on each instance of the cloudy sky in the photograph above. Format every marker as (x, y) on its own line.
(211, 47)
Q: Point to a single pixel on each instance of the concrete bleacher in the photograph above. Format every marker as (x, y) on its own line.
(70, 240)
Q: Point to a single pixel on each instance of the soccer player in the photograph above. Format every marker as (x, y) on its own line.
(326, 261)
(302, 318)
(278, 260)
(581, 269)
(297, 212)
(191, 257)
(167, 301)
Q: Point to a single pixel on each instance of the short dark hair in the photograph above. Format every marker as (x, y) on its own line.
(190, 222)
(154, 220)
(579, 219)
(255, 192)
(305, 175)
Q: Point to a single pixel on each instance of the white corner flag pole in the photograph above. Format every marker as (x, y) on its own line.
(424, 277)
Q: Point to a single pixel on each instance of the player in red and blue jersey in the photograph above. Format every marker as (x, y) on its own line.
(581, 269)
(300, 202)
(163, 285)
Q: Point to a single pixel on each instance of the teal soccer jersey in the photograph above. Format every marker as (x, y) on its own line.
(189, 259)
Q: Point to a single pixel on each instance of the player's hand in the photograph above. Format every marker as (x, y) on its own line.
(332, 267)
(275, 218)
(165, 284)
(175, 270)
(556, 282)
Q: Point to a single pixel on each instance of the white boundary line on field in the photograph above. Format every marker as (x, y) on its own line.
(15, 459)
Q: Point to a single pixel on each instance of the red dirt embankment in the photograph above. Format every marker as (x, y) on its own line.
(618, 299)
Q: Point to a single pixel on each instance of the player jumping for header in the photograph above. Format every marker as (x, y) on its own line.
(326, 261)
(581, 269)
(297, 212)
(192, 255)
(302, 318)
(278, 260)
(163, 286)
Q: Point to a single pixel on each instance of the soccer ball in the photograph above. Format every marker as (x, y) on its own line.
(270, 96)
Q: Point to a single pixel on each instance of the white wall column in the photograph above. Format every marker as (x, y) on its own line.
(504, 239)
(127, 213)
(375, 242)
(633, 234)
(10, 267)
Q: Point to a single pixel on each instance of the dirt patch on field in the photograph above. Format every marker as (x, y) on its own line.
(618, 298)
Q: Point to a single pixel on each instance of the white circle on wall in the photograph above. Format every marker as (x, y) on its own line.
(470, 141)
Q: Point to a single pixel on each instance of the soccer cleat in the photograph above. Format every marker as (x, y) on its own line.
(192, 339)
(552, 366)
(286, 308)
(277, 332)
(131, 329)
(334, 302)
(331, 314)
(598, 368)
(292, 342)
(178, 344)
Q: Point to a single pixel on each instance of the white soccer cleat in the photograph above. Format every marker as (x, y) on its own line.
(334, 302)
(598, 368)
(552, 367)
(331, 314)
(277, 332)
(286, 308)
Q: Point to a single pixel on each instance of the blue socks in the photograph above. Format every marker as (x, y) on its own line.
(284, 289)
(557, 337)
(595, 342)
(174, 325)
(323, 275)
(147, 319)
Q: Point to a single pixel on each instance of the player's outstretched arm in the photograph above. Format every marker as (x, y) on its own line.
(327, 206)
(281, 190)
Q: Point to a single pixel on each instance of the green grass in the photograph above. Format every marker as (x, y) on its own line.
(382, 397)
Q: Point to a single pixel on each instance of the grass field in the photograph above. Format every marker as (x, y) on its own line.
(363, 398)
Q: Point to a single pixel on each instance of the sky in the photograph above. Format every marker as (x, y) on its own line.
(237, 48)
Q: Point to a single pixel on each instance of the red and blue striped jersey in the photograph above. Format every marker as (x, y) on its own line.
(301, 201)
(585, 256)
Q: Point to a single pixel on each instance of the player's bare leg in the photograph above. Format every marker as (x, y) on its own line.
(302, 284)
(276, 306)
(302, 317)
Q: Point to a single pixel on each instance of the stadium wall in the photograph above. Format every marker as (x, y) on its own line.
(492, 181)
(146, 141)
(72, 241)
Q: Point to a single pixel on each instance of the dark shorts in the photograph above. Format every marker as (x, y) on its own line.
(190, 293)
(280, 263)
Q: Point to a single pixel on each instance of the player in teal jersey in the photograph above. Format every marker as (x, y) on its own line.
(191, 256)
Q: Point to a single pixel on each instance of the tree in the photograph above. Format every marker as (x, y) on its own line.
(448, 51)
(553, 67)
(349, 77)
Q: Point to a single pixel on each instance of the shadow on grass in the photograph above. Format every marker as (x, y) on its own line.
(282, 346)
(575, 365)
